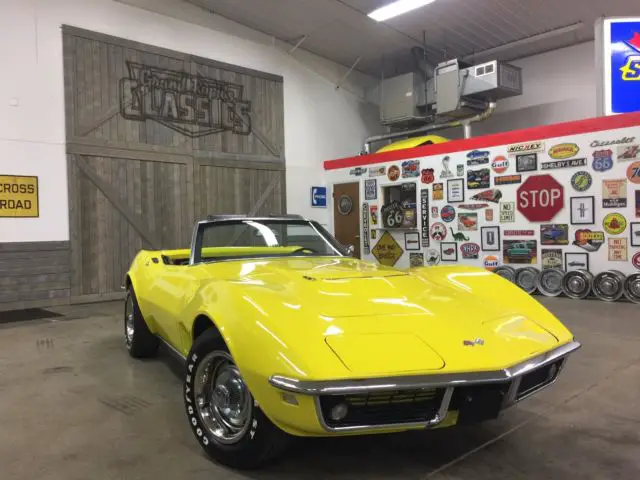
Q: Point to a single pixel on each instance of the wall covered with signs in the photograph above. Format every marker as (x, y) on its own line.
(565, 196)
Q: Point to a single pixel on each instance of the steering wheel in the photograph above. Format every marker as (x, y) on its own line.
(302, 249)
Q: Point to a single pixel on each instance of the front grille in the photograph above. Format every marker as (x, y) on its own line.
(538, 378)
(383, 408)
(477, 403)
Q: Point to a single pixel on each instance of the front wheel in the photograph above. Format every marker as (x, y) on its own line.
(224, 417)
(140, 342)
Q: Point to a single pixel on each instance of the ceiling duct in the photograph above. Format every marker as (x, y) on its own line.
(452, 90)
(422, 65)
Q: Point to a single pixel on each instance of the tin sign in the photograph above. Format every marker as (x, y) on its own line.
(365, 227)
(424, 217)
(528, 147)
(618, 250)
(507, 212)
(614, 193)
(370, 189)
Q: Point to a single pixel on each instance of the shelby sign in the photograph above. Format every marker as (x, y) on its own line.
(190, 104)
(540, 198)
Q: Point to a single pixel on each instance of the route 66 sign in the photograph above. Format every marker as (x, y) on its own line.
(602, 160)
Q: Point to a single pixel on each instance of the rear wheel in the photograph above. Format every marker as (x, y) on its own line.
(224, 417)
(141, 343)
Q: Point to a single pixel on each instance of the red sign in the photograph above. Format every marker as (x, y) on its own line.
(635, 261)
(519, 233)
(540, 198)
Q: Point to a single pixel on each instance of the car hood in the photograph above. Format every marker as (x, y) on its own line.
(380, 320)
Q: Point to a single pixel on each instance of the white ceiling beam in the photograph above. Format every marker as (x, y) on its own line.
(525, 41)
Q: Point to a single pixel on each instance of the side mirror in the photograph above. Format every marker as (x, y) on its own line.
(350, 250)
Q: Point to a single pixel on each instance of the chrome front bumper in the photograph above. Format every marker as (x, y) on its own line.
(448, 381)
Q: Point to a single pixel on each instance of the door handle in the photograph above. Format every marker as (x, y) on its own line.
(356, 236)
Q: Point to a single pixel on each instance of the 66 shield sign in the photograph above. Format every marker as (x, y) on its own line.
(540, 198)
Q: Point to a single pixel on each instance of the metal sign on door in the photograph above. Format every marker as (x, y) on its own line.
(540, 198)
(365, 227)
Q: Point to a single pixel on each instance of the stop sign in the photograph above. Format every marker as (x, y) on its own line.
(540, 198)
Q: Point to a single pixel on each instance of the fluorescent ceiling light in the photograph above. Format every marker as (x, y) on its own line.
(397, 8)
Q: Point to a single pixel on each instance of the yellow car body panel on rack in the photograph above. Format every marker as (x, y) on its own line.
(412, 143)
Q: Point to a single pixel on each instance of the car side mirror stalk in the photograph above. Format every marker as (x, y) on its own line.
(351, 250)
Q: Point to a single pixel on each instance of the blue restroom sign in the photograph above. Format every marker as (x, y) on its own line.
(619, 56)
(319, 197)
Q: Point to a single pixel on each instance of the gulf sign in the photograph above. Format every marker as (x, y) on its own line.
(618, 43)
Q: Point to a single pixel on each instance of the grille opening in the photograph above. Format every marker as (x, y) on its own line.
(477, 403)
(539, 378)
(383, 408)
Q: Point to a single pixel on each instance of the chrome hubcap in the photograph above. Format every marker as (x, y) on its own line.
(527, 280)
(577, 284)
(608, 286)
(128, 321)
(634, 288)
(223, 401)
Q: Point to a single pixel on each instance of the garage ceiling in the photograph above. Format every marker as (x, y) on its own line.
(339, 30)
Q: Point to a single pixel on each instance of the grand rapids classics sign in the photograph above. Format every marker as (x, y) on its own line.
(193, 105)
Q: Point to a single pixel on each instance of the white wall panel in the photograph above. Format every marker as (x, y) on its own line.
(320, 121)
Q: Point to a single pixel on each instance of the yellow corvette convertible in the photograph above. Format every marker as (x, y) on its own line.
(283, 334)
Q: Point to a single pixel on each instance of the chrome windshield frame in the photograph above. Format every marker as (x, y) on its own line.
(198, 232)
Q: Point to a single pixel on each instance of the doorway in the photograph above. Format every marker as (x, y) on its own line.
(346, 214)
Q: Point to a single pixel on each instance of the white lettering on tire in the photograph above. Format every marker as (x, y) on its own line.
(254, 427)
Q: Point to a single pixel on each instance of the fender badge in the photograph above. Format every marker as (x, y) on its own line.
(471, 343)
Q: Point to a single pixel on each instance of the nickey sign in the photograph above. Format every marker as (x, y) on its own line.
(189, 104)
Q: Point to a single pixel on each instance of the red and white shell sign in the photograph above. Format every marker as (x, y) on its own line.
(540, 198)
(500, 164)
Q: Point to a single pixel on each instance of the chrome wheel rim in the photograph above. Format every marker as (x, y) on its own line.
(129, 329)
(223, 401)
(506, 272)
(577, 284)
(550, 282)
(527, 279)
(608, 286)
(632, 287)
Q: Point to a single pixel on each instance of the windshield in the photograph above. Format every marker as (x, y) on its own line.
(252, 238)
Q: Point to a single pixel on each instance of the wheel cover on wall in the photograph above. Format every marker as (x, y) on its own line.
(506, 272)
(632, 287)
(550, 282)
(577, 284)
(609, 286)
(527, 279)
(345, 205)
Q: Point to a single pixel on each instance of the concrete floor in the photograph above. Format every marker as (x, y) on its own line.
(73, 405)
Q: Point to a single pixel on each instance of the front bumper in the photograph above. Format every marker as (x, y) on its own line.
(492, 391)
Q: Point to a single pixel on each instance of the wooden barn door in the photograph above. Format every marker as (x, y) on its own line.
(156, 140)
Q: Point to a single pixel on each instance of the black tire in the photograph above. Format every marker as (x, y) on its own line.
(141, 343)
(261, 442)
